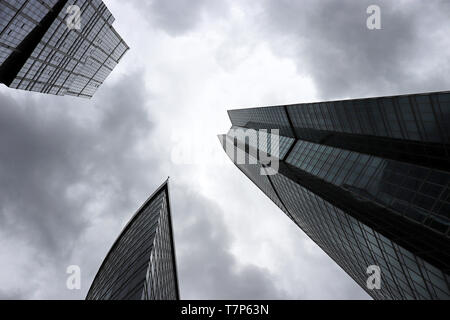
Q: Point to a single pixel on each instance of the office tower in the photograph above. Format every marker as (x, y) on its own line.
(367, 180)
(44, 47)
(141, 263)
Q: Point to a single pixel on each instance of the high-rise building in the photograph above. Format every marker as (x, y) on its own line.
(57, 47)
(367, 180)
(141, 264)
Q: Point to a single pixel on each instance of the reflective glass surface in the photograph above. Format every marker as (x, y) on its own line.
(367, 180)
(141, 264)
(66, 61)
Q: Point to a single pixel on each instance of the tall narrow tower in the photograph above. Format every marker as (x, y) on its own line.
(57, 46)
(141, 264)
(367, 180)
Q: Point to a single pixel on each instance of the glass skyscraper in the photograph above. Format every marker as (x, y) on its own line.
(365, 179)
(39, 52)
(141, 264)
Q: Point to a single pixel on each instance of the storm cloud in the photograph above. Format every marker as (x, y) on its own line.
(329, 41)
(178, 17)
(57, 166)
(208, 270)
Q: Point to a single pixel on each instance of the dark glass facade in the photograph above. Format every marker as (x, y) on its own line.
(368, 180)
(141, 264)
(38, 51)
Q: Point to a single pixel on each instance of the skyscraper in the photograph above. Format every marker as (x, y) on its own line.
(141, 264)
(365, 179)
(44, 47)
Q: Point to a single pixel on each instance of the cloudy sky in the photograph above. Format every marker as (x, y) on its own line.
(73, 171)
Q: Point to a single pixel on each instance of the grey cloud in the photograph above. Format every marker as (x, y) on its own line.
(207, 269)
(54, 167)
(332, 44)
(180, 16)
(45, 152)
